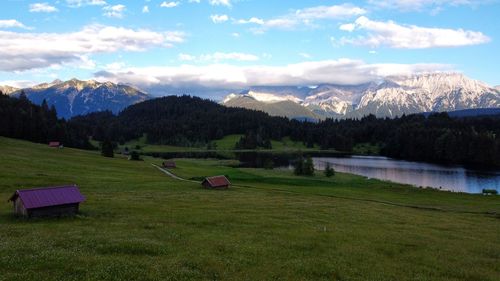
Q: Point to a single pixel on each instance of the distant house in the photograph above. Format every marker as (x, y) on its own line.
(169, 164)
(55, 144)
(216, 182)
(47, 201)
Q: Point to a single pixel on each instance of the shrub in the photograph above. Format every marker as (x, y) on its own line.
(329, 171)
(134, 156)
(490, 191)
(107, 149)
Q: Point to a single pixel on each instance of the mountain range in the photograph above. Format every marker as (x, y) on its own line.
(390, 97)
(76, 97)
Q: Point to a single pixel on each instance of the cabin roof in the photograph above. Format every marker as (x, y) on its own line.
(218, 181)
(49, 196)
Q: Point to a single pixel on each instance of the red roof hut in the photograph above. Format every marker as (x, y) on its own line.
(216, 182)
(169, 164)
(54, 144)
(47, 201)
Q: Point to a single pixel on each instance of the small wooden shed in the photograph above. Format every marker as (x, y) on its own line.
(217, 182)
(169, 165)
(47, 201)
(54, 144)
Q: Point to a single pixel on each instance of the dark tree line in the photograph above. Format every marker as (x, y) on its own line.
(192, 121)
(21, 119)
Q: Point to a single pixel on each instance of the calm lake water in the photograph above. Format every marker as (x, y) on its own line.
(414, 173)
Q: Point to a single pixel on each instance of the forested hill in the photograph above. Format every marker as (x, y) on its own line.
(191, 121)
(184, 121)
(21, 119)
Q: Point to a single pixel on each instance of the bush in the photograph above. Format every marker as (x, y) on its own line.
(329, 171)
(107, 149)
(134, 156)
(305, 168)
(490, 191)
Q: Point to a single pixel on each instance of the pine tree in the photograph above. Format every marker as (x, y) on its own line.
(107, 149)
(329, 171)
(299, 166)
(308, 169)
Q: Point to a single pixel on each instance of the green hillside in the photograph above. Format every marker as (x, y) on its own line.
(139, 224)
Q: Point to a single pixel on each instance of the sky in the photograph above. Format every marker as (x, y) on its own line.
(242, 43)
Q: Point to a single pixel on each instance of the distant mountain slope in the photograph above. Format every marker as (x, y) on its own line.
(391, 97)
(283, 108)
(7, 90)
(75, 97)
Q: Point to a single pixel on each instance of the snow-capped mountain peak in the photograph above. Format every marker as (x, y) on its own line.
(390, 97)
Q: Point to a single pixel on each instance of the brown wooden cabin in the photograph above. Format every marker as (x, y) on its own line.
(217, 182)
(55, 144)
(47, 201)
(169, 165)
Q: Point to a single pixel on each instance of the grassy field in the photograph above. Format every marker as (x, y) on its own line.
(225, 144)
(139, 224)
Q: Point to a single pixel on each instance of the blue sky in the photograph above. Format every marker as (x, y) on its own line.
(230, 43)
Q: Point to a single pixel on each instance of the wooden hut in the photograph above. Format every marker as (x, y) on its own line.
(47, 201)
(169, 165)
(218, 182)
(55, 144)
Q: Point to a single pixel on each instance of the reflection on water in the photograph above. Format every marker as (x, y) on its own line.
(414, 173)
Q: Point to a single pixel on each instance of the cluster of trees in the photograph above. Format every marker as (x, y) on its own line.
(192, 121)
(21, 119)
(253, 140)
(183, 121)
(304, 167)
(436, 138)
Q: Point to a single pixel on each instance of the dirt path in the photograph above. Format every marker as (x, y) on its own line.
(172, 175)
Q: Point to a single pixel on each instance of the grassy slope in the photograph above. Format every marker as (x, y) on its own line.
(225, 144)
(138, 224)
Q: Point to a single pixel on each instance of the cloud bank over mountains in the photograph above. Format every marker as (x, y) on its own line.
(342, 72)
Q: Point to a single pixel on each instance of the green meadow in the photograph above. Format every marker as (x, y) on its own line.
(140, 224)
(223, 145)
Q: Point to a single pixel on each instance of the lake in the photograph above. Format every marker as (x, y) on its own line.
(453, 178)
(457, 179)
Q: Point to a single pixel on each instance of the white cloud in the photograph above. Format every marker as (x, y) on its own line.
(219, 56)
(305, 16)
(419, 5)
(81, 3)
(395, 35)
(42, 8)
(330, 12)
(11, 24)
(186, 57)
(235, 34)
(115, 11)
(226, 3)
(342, 71)
(24, 51)
(305, 55)
(348, 27)
(219, 18)
(169, 4)
(252, 20)
(145, 9)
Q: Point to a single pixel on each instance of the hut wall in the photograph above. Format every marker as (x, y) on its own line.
(55, 211)
(19, 207)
